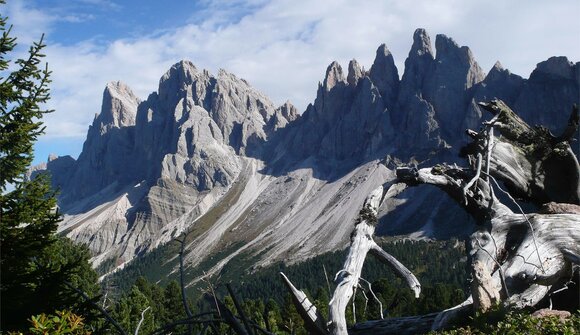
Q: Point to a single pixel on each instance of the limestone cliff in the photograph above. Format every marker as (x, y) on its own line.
(215, 157)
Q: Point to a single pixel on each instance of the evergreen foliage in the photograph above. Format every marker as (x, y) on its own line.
(164, 303)
(35, 264)
(500, 322)
(440, 267)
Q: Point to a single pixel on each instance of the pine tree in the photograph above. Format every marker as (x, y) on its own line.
(35, 264)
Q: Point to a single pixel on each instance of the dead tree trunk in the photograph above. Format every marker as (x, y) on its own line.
(361, 243)
(347, 279)
(534, 164)
(517, 259)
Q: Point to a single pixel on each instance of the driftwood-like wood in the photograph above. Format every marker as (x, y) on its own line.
(517, 259)
(313, 321)
(347, 279)
(533, 163)
(361, 242)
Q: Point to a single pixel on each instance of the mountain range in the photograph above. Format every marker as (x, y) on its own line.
(211, 156)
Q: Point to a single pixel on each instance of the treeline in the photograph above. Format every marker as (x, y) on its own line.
(440, 266)
(431, 261)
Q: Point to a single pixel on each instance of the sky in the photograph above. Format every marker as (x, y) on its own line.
(282, 47)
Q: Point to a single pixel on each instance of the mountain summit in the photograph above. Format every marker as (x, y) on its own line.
(214, 157)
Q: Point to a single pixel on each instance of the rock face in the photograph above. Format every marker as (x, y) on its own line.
(213, 156)
(145, 165)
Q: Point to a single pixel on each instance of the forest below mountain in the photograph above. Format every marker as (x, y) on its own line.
(440, 265)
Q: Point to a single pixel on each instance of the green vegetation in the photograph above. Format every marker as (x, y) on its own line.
(61, 323)
(501, 322)
(165, 306)
(265, 300)
(38, 268)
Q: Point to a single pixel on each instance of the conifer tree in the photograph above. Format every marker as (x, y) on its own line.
(35, 264)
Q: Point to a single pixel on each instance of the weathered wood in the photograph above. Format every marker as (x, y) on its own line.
(313, 321)
(534, 250)
(397, 267)
(347, 279)
(531, 262)
(533, 163)
(362, 243)
(480, 201)
(517, 259)
(408, 325)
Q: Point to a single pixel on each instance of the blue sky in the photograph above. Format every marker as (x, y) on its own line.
(282, 47)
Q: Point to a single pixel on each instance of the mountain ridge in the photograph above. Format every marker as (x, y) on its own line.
(213, 156)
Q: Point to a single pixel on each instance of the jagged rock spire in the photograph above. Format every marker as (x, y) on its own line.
(385, 76)
(334, 76)
(119, 107)
(355, 72)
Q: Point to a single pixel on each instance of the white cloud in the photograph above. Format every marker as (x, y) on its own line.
(28, 23)
(283, 47)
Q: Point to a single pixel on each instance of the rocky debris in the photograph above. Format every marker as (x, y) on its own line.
(559, 208)
(545, 312)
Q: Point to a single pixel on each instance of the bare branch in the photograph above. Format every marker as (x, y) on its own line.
(240, 310)
(141, 321)
(313, 321)
(399, 269)
(99, 308)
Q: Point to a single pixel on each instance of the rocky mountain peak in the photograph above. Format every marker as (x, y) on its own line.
(213, 152)
(283, 115)
(499, 73)
(497, 67)
(421, 44)
(289, 111)
(460, 57)
(333, 76)
(384, 75)
(183, 71)
(418, 64)
(119, 107)
(555, 67)
(174, 83)
(355, 72)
